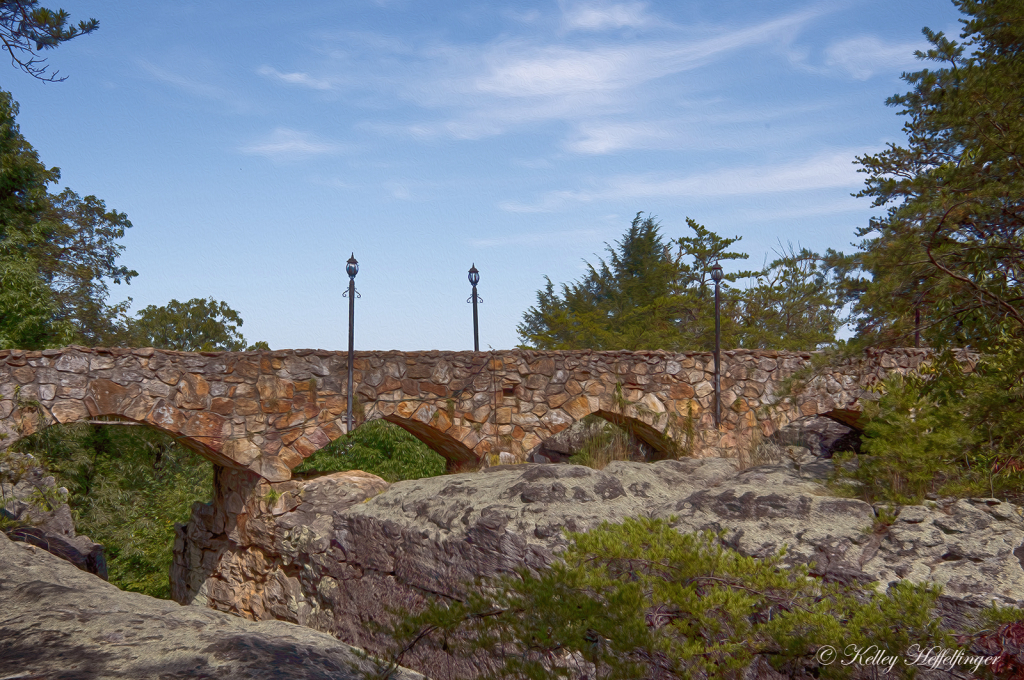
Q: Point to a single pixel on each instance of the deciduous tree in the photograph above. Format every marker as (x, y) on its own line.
(57, 252)
(195, 326)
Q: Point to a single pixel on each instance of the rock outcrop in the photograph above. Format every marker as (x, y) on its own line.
(60, 622)
(301, 555)
(34, 507)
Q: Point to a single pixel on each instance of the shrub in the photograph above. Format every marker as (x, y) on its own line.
(947, 432)
(380, 448)
(641, 600)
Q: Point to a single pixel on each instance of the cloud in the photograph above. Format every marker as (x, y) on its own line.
(600, 16)
(303, 79)
(517, 70)
(489, 90)
(193, 85)
(603, 138)
(287, 144)
(862, 57)
(827, 170)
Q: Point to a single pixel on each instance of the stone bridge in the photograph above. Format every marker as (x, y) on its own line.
(265, 411)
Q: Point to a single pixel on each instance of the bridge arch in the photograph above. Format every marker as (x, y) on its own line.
(265, 411)
(448, 447)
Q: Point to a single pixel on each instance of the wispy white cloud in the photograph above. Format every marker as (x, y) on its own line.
(865, 56)
(608, 137)
(283, 144)
(514, 70)
(194, 85)
(803, 209)
(597, 16)
(490, 89)
(303, 79)
(827, 170)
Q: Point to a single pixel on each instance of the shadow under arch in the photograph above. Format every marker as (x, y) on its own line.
(663, 446)
(848, 417)
(191, 435)
(458, 455)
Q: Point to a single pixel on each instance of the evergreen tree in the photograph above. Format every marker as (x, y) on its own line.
(622, 304)
(26, 29)
(641, 600)
(797, 302)
(948, 256)
(657, 295)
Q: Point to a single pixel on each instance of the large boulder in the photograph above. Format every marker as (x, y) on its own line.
(338, 567)
(60, 622)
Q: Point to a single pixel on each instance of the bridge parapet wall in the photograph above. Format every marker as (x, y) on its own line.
(266, 411)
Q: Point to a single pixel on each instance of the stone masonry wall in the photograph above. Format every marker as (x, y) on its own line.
(266, 411)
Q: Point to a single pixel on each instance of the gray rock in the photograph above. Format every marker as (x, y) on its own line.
(24, 485)
(336, 560)
(60, 622)
(820, 434)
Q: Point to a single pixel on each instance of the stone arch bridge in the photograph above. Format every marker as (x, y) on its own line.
(265, 411)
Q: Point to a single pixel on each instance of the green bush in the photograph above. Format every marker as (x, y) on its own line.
(948, 432)
(380, 448)
(641, 600)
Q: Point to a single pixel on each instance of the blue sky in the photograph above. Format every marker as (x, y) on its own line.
(255, 145)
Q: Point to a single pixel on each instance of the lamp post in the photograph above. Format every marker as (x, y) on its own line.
(716, 275)
(474, 278)
(352, 267)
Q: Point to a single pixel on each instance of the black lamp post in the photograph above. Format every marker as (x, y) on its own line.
(716, 276)
(474, 278)
(352, 267)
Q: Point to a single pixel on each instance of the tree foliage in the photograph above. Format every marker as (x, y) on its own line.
(195, 326)
(950, 248)
(946, 260)
(128, 486)
(57, 252)
(949, 432)
(653, 294)
(641, 600)
(27, 29)
(380, 448)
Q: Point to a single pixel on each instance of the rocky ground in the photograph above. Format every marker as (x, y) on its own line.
(61, 623)
(337, 554)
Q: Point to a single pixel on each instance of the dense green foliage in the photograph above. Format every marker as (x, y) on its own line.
(949, 432)
(950, 248)
(194, 326)
(128, 486)
(26, 29)
(641, 600)
(656, 295)
(380, 448)
(946, 260)
(57, 252)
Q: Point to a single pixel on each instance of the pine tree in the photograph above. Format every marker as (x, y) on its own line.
(948, 256)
